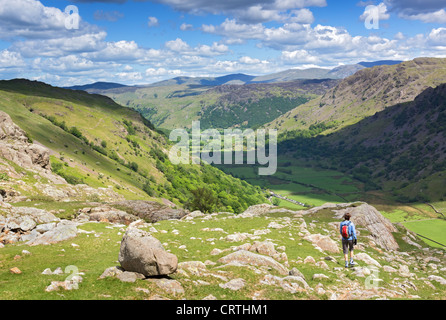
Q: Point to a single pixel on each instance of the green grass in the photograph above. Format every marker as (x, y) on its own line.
(299, 182)
(99, 250)
(433, 229)
(400, 215)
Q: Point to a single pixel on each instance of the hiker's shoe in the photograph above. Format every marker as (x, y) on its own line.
(346, 264)
(352, 263)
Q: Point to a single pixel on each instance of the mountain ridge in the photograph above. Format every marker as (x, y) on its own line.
(366, 92)
(339, 72)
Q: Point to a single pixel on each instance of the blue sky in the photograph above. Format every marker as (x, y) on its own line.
(144, 41)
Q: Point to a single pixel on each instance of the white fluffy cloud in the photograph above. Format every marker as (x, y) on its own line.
(299, 57)
(437, 38)
(42, 48)
(430, 17)
(428, 11)
(10, 59)
(180, 46)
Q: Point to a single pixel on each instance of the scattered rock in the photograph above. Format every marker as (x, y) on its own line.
(15, 270)
(235, 284)
(64, 285)
(404, 271)
(296, 272)
(216, 252)
(196, 268)
(250, 258)
(323, 242)
(127, 276)
(389, 269)
(47, 271)
(58, 271)
(142, 253)
(111, 272)
(172, 287)
(320, 276)
(438, 279)
(309, 259)
(322, 265)
(362, 256)
(236, 237)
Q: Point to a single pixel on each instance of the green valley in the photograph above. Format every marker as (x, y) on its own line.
(97, 142)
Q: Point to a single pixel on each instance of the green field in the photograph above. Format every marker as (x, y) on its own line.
(433, 229)
(296, 181)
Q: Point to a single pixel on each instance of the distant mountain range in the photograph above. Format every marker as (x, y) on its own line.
(235, 100)
(97, 86)
(340, 72)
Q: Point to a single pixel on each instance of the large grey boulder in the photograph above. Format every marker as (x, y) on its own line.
(142, 253)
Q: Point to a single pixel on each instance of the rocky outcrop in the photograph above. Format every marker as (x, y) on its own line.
(256, 210)
(380, 228)
(14, 146)
(63, 231)
(149, 211)
(107, 214)
(34, 227)
(142, 253)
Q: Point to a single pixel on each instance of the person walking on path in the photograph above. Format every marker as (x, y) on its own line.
(349, 239)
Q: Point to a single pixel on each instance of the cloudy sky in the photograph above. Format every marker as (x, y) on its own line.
(72, 42)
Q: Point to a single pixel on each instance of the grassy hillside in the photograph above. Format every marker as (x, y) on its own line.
(400, 150)
(363, 94)
(95, 141)
(220, 107)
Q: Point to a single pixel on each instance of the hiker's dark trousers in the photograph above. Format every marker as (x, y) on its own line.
(347, 245)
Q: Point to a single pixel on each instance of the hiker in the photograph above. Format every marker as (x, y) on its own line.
(348, 233)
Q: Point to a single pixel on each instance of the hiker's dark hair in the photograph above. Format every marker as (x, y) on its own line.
(347, 216)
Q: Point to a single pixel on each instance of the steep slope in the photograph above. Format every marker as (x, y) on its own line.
(94, 141)
(402, 148)
(365, 93)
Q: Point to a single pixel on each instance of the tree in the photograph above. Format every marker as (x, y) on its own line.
(134, 166)
(203, 199)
